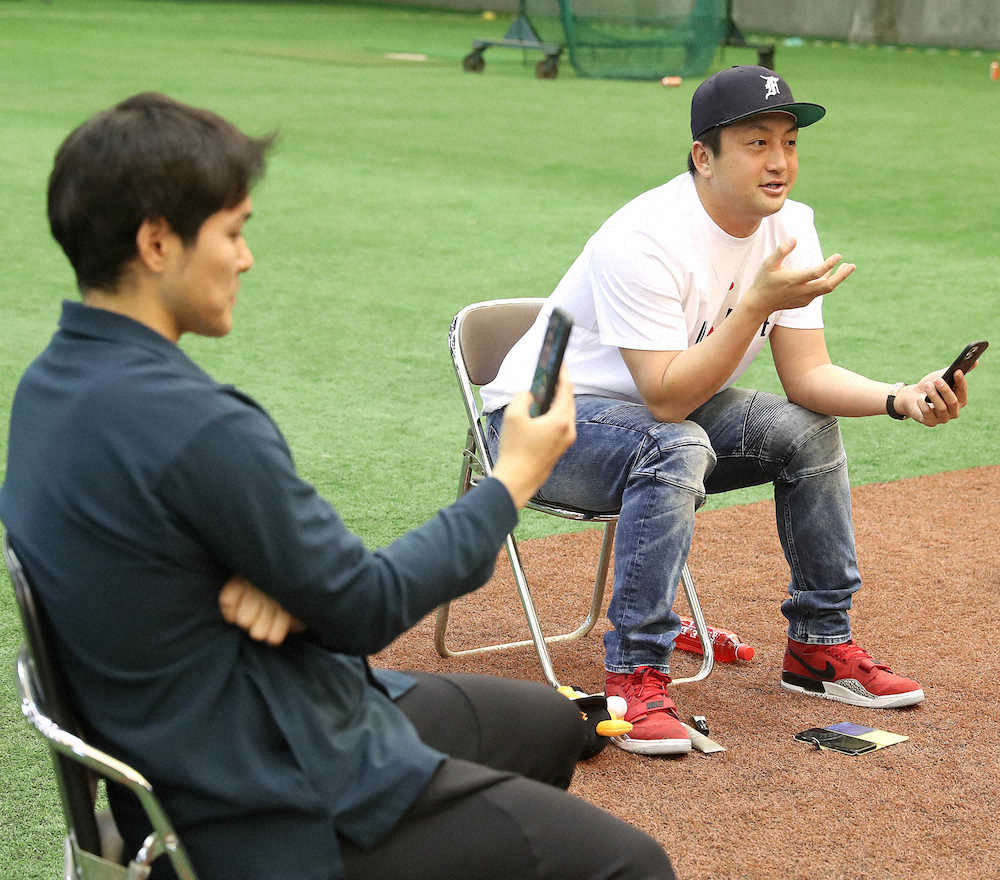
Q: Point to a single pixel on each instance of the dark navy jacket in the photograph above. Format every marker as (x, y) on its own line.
(135, 486)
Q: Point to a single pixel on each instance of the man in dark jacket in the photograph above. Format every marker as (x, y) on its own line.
(137, 487)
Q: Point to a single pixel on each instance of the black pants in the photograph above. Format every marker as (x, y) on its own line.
(496, 808)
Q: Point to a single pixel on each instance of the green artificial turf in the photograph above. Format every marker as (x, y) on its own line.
(401, 190)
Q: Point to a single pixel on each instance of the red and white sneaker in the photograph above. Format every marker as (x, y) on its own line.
(656, 729)
(846, 673)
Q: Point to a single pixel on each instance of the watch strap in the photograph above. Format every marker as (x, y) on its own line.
(890, 403)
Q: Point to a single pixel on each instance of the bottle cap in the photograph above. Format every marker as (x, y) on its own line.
(745, 652)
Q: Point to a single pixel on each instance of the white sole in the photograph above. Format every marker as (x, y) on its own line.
(652, 746)
(860, 697)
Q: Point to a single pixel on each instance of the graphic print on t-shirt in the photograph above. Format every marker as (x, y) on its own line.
(728, 304)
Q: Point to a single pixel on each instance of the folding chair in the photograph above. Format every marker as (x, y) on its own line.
(93, 848)
(481, 334)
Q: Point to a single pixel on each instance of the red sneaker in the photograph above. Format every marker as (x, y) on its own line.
(656, 729)
(846, 673)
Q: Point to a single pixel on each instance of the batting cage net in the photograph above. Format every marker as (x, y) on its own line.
(637, 39)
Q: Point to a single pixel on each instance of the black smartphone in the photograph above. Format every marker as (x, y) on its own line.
(831, 739)
(543, 386)
(965, 361)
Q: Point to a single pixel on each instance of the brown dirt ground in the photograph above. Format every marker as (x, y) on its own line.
(770, 807)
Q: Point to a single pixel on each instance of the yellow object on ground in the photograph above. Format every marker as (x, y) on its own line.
(613, 728)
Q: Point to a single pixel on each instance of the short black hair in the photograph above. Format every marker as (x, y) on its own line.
(712, 139)
(148, 157)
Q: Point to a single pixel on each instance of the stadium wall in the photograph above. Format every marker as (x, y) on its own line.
(951, 23)
(971, 24)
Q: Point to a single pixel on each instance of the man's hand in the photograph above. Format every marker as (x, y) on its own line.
(530, 447)
(777, 288)
(930, 401)
(242, 604)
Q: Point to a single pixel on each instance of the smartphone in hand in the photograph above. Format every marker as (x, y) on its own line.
(964, 362)
(543, 386)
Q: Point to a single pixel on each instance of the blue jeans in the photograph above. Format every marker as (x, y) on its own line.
(658, 474)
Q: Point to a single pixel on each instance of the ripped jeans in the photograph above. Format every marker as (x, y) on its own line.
(658, 474)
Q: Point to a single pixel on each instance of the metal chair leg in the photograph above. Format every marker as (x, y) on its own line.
(538, 639)
(541, 642)
(708, 654)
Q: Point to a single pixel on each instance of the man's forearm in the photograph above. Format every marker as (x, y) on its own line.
(835, 391)
(694, 375)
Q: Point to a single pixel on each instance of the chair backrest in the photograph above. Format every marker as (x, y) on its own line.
(76, 783)
(45, 703)
(483, 333)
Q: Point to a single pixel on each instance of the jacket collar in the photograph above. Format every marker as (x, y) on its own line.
(83, 320)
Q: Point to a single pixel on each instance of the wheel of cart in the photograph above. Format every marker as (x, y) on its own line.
(474, 62)
(548, 67)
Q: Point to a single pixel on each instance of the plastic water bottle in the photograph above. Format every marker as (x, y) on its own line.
(726, 645)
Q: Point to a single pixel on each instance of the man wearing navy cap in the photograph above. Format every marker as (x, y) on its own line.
(672, 299)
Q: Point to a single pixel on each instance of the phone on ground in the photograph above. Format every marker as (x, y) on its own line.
(831, 739)
(543, 386)
(964, 362)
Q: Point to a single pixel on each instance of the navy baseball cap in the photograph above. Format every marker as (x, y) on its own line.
(738, 92)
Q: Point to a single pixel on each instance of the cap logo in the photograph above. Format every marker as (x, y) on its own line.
(770, 86)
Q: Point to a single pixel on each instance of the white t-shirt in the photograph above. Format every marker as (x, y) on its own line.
(658, 275)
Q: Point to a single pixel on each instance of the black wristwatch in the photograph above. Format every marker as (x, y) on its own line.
(890, 402)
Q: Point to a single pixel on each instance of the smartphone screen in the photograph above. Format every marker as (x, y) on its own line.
(831, 739)
(543, 386)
